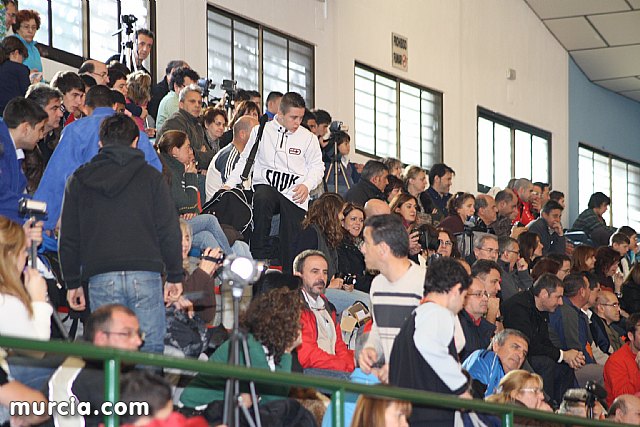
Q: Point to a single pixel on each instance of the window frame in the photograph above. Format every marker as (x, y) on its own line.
(52, 53)
(261, 28)
(610, 157)
(399, 81)
(513, 125)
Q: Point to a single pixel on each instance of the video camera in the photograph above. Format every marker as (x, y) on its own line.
(206, 85)
(427, 237)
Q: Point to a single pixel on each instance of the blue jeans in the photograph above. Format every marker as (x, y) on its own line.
(207, 233)
(142, 292)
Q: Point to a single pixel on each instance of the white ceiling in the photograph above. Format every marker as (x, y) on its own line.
(602, 37)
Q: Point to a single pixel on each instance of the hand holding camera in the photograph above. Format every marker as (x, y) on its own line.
(211, 260)
(35, 285)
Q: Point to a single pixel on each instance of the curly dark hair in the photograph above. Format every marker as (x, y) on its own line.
(273, 318)
(324, 213)
(605, 258)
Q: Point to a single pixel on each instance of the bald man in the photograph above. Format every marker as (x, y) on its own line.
(625, 409)
(96, 69)
(375, 207)
(225, 160)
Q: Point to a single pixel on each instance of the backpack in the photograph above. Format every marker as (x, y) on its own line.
(232, 207)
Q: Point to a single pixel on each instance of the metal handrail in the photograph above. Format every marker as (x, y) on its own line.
(113, 358)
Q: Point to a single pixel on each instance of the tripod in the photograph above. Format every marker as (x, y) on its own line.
(127, 52)
(233, 402)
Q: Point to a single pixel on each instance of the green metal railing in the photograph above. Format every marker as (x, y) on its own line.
(114, 358)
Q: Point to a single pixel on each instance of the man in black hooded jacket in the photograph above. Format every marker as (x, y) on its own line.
(120, 233)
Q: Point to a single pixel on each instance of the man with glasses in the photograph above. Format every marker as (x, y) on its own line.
(488, 274)
(477, 330)
(114, 326)
(607, 310)
(95, 69)
(485, 246)
(515, 271)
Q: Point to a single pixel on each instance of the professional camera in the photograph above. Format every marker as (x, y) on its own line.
(347, 278)
(32, 208)
(206, 85)
(129, 19)
(337, 126)
(218, 260)
(427, 237)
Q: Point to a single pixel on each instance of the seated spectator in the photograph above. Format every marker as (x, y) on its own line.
(633, 243)
(515, 270)
(273, 104)
(117, 80)
(625, 409)
(77, 146)
(415, 182)
(376, 207)
(393, 165)
(394, 187)
(506, 203)
(322, 352)
(96, 70)
(14, 75)
(25, 28)
(341, 174)
(215, 122)
(241, 109)
(488, 273)
(606, 269)
(544, 265)
(373, 181)
(461, 209)
(486, 213)
(477, 330)
(395, 292)
(187, 188)
(583, 259)
(138, 95)
(350, 257)
(322, 231)
(591, 221)
(523, 189)
(558, 196)
(447, 244)
(521, 387)
(630, 301)
(20, 129)
(159, 90)
(405, 206)
(565, 264)
(113, 326)
(569, 327)
(549, 228)
(436, 197)
(309, 121)
(528, 312)
(272, 323)
(226, 159)
(73, 95)
(187, 120)
(607, 311)
(620, 243)
(487, 367)
(530, 248)
(485, 246)
(180, 78)
(381, 412)
(621, 372)
(423, 356)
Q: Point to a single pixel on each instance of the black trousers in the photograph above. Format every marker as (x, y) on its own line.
(267, 202)
(557, 377)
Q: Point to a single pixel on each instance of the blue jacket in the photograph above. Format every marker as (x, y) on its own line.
(78, 144)
(485, 367)
(33, 61)
(12, 179)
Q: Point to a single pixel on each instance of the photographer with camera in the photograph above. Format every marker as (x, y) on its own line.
(144, 40)
(395, 292)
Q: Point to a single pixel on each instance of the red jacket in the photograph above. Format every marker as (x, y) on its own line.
(621, 374)
(525, 216)
(311, 356)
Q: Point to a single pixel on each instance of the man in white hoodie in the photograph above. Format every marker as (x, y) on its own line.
(287, 165)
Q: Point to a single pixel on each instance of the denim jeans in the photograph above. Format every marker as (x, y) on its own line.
(142, 292)
(207, 233)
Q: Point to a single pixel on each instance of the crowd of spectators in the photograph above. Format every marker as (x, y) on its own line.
(476, 295)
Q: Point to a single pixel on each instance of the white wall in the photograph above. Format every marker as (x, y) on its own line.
(462, 48)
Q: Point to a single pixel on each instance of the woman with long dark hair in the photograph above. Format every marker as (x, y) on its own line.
(530, 247)
(350, 258)
(461, 208)
(606, 269)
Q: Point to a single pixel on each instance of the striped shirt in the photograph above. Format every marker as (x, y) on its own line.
(391, 304)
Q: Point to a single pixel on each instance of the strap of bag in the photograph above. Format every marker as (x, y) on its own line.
(254, 150)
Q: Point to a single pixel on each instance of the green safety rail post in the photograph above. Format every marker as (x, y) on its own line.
(115, 357)
(111, 388)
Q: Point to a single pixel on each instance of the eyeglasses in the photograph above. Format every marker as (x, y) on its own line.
(615, 304)
(513, 252)
(479, 294)
(103, 74)
(29, 27)
(129, 334)
(535, 390)
(446, 242)
(491, 251)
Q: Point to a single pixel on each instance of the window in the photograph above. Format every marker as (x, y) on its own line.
(615, 177)
(257, 57)
(508, 148)
(65, 24)
(395, 118)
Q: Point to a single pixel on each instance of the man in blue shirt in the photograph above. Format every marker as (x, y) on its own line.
(487, 367)
(435, 198)
(20, 129)
(78, 144)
